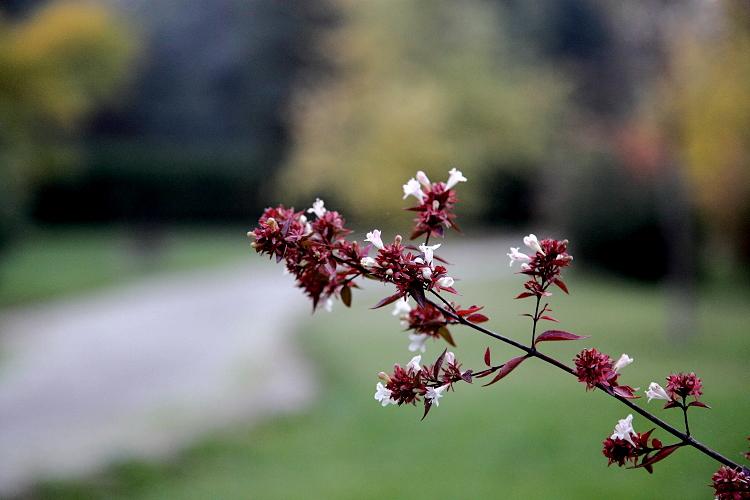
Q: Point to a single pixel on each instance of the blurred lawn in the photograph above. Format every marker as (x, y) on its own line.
(53, 263)
(535, 435)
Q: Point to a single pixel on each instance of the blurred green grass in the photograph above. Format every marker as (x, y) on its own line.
(537, 434)
(55, 263)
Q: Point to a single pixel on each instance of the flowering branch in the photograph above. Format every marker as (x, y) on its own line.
(326, 265)
(685, 438)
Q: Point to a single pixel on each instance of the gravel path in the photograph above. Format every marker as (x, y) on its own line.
(139, 371)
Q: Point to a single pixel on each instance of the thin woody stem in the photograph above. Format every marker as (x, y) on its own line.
(686, 439)
(536, 320)
(684, 413)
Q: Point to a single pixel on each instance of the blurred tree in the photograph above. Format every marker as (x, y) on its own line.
(710, 112)
(58, 65)
(417, 85)
(202, 128)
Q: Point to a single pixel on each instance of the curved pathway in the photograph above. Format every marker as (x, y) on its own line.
(141, 370)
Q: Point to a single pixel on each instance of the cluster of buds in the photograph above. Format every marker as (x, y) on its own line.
(436, 203)
(596, 369)
(411, 273)
(731, 484)
(310, 249)
(429, 321)
(625, 445)
(680, 386)
(413, 383)
(543, 267)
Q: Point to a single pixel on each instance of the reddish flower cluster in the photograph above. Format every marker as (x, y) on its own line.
(543, 267)
(436, 204)
(684, 385)
(314, 252)
(411, 274)
(429, 319)
(731, 484)
(435, 213)
(620, 451)
(596, 368)
(414, 383)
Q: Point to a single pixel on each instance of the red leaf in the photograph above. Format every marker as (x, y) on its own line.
(658, 456)
(561, 285)
(625, 391)
(549, 318)
(346, 296)
(508, 367)
(524, 295)
(418, 294)
(388, 300)
(646, 435)
(487, 357)
(478, 318)
(439, 364)
(699, 404)
(469, 310)
(427, 406)
(446, 334)
(551, 335)
(655, 443)
(671, 404)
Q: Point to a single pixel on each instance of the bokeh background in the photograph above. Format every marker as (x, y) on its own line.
(145, 352)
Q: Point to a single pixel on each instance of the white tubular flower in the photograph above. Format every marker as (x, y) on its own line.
(367, 262)
(516, 256)
(417, 342)
(412, 188)
(401, 307)
(525, 267)
(624, 361)
(374, 238)
(449, 358)
(655, 391)
(318, 208)
(533, 243)
(426, 273)
(423, 180)
(329, 305)
(446, 282)
(383, 395)
(434, 394)
(624, 430)
(429, 252)
(454, 177)
(414, 364)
